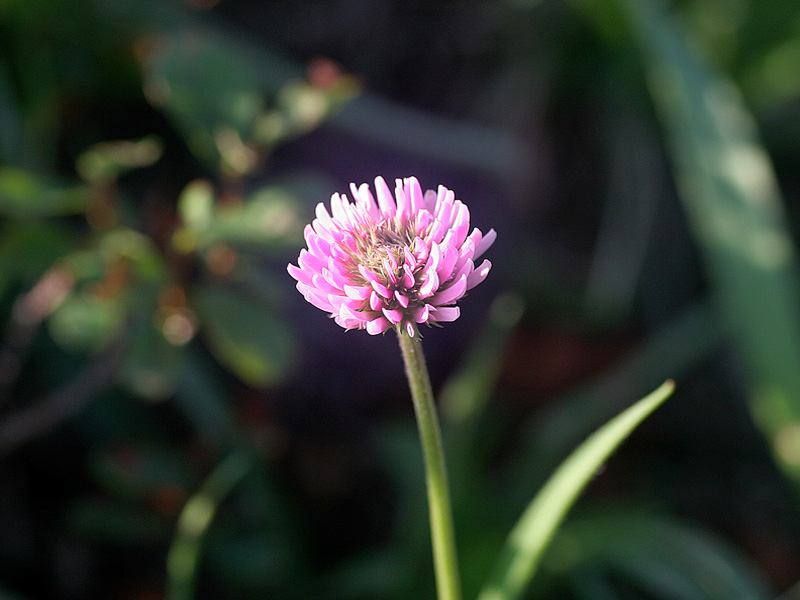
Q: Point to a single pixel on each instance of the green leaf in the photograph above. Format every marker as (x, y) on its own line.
(663, 557)
(531, 535)
(729, 190)
(214, 88)
(86, 323)
(196, 205)
(106, 161)
(203, 399)
(264, 220)
(245, 334)
(24, 194)
(152, 364)
(138, 251)
(466, 393)
(28, 249)
(673, 350)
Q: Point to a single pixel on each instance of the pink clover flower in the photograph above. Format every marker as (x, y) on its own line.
(396, 262)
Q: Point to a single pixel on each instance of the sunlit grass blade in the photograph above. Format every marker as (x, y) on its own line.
(527, 541)
(727, 185)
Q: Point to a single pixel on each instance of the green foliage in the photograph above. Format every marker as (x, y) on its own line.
(87, 324)
(27, 249)
(661, 557)
(107, 161)
(531, 535)
(23, 194)
(728, 188)
(100, 273)
(264, 221)
(244, 334)
(216, 89)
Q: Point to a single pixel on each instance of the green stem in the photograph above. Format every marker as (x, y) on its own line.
(194, 521)
(441, 517)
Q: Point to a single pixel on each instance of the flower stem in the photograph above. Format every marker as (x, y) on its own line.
(441, 519)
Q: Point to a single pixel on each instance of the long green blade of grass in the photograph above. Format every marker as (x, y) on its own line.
(729, 191)
(527, 541)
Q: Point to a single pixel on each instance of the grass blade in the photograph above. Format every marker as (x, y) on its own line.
(529, 538)
(729, 190)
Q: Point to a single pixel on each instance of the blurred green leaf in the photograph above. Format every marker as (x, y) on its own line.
(527, 541)
(196, 206)
(152, 364)
(141, 255)
(108, 287)
(263, 221)
(246, 334)
(465, 394)
(267, 220)
(300, 105)
(234, 101)
(470, 437)
(28, 249)
(122, 254)
(59, 57)
(24, 194)
(203, 398)
(252, 548)
(106, 161)
(728, 188)
(86, 323)
(665, 558)
(121, 274)
(214, 87)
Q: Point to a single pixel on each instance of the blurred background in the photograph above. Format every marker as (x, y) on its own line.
(176, 422)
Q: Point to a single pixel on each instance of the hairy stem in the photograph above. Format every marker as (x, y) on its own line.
(441, 519)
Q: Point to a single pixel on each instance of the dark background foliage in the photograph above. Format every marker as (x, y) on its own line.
(158, 161)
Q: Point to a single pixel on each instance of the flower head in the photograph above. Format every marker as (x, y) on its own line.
(396, 262)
